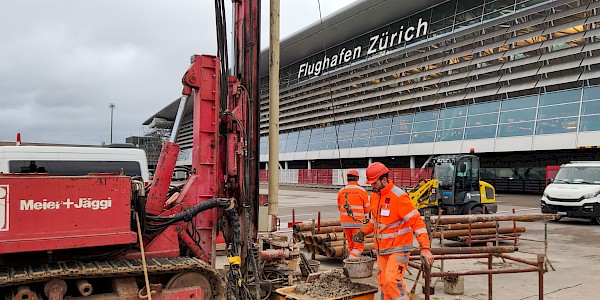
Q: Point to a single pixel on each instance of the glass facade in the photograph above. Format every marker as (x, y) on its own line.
(546, 113)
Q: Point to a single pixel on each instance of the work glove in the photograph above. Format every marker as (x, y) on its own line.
(426, 257)
(359, 237)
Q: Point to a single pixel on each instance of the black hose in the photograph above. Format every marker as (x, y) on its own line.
(198, 208)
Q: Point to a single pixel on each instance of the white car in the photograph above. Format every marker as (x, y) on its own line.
(575, 191)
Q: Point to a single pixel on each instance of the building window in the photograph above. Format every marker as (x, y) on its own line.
(590, 123)
(378, 141)
(427, 115)
(482, 108)
(556, 126)
(449, 135)
(400, 139)
(557, 111)
(486, 119)
(591, 107)
(560, 97)
(482, 132)
(423, 137)
(517, 115)
(424, 126)
(518, 103)
(515, 129)
(359, 143)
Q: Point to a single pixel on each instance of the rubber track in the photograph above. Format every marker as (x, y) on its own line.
(112, 268)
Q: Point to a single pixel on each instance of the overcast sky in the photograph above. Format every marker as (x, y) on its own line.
(62, 62)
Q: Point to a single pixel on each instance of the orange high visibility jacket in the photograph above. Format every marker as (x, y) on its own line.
(358, 199)
(394, 220)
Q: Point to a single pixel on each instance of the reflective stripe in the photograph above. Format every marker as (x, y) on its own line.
(395, 234)
(392, 225)
(355, 253)
(401, 258)
(420, 231)
(351, 225)
(355, 187)
(404, 248)
(398, 191)
(368, 204)
(410, 215)
(403, 297)
(356, 206)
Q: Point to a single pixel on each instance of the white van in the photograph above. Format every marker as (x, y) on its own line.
(73, 161)
(575, 191)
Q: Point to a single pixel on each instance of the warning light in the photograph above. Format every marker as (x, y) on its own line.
(472, 150)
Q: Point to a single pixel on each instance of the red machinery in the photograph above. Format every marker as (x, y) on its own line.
(78, 236)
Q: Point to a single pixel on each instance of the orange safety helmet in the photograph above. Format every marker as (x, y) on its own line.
(352, 173)
(375, 170)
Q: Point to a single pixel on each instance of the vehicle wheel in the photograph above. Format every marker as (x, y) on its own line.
(597, 220)
(476, 210)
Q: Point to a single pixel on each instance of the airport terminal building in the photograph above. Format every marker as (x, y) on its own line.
(398, 81)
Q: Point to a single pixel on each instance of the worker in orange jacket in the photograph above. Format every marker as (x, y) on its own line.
(356, 197)
(394, 221)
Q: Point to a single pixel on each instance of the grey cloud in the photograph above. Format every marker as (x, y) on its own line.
(64, 61)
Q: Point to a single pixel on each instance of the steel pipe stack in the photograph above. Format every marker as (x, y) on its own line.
(326, 239)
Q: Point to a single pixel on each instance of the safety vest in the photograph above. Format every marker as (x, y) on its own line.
(395, 221)
(358, 199)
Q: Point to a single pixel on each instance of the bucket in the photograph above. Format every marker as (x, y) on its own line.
(362, 268)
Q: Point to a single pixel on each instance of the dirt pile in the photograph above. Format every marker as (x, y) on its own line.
(329, 285)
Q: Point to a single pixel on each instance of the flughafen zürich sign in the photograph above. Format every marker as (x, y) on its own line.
(376, 43)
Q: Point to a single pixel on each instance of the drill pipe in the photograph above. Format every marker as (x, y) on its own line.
(468, 250)
(309, 225)
(473, 226)
(465, 232)
(338, 236)
(486, 236)
(341, 243)
(490, 218)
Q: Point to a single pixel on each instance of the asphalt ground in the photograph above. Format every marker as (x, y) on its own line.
(573, 251)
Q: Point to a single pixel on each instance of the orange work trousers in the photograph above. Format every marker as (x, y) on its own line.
(392, 268)
(355, 249)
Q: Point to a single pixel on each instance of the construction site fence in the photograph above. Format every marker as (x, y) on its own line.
(333, 178)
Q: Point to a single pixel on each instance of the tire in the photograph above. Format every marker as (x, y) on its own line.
(596, 220)
(476, 210)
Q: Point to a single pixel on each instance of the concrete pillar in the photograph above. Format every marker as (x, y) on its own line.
(309, 165)
(286, 165)
(267, 166)
(412, 161)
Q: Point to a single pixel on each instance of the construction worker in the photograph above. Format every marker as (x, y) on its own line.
(356, 198)
(394, 221)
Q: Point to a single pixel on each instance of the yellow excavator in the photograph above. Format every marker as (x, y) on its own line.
(454, 188)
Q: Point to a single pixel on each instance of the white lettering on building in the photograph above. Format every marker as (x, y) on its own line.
(81, 203)
(377, 43)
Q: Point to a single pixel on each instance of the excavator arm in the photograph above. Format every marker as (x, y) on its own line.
(424, 194)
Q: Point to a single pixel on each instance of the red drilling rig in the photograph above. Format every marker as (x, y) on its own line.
(107, 236)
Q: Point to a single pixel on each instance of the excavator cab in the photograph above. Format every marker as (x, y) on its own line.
(454, 187)
(461, 183)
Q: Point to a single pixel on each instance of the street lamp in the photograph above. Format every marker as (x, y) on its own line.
(112, 108)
